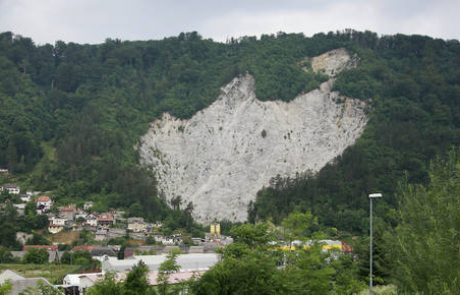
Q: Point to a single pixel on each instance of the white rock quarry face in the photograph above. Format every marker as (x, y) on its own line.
(333, 62)
(224, 154)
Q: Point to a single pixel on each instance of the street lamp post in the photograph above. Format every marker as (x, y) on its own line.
(371, 196)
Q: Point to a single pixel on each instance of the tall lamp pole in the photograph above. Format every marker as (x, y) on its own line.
(371, 196)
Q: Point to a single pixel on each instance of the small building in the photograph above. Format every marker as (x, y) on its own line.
(76, 284)
(214, 230)
(105, 220)
(25, 198)
(136, 224)
(91, 220)
(68, 212)
(56, 221)
(4, 171)
(12, 189)
(44, 204)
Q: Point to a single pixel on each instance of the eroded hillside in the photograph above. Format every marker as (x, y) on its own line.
(224, 154)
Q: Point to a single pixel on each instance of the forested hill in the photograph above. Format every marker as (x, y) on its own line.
(71, 115)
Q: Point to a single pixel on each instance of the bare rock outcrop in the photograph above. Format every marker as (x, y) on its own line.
(224, 154)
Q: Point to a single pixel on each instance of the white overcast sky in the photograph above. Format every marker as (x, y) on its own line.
(92, 21)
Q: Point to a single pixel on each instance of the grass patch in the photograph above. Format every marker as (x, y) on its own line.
(65, 237)
(52, 272)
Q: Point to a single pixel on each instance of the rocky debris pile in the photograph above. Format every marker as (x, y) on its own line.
(224, 154)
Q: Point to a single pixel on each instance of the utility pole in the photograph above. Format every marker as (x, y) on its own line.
(371, 196)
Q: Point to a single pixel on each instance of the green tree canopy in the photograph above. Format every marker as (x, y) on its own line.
(5, 255)
(36, 256)
(425, 245)
(167, 267)
(254, 273)
(137, 281)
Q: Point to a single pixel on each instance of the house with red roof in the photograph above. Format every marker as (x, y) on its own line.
(105, 220)
(46, 247)
(44, 204)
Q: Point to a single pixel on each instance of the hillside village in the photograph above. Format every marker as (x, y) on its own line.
(103, 226)
(145, 242)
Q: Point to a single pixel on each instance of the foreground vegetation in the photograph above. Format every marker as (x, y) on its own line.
(419, 256)
(54, 273)
(252, 265)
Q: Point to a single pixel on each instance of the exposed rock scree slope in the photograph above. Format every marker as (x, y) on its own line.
(224, 154)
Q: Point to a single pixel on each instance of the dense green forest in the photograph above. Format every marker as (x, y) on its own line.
(413, 86)
(71, 115)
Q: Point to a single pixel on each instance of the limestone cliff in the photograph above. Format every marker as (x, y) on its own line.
(224, 154)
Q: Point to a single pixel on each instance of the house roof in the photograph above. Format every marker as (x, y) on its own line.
(20, 283)
(83, 248)
(74, 279)
(67, 209)
(47, 247)
(43, 199)
(9, 275)
(101, 251)
(105, 217)
(187, 262)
